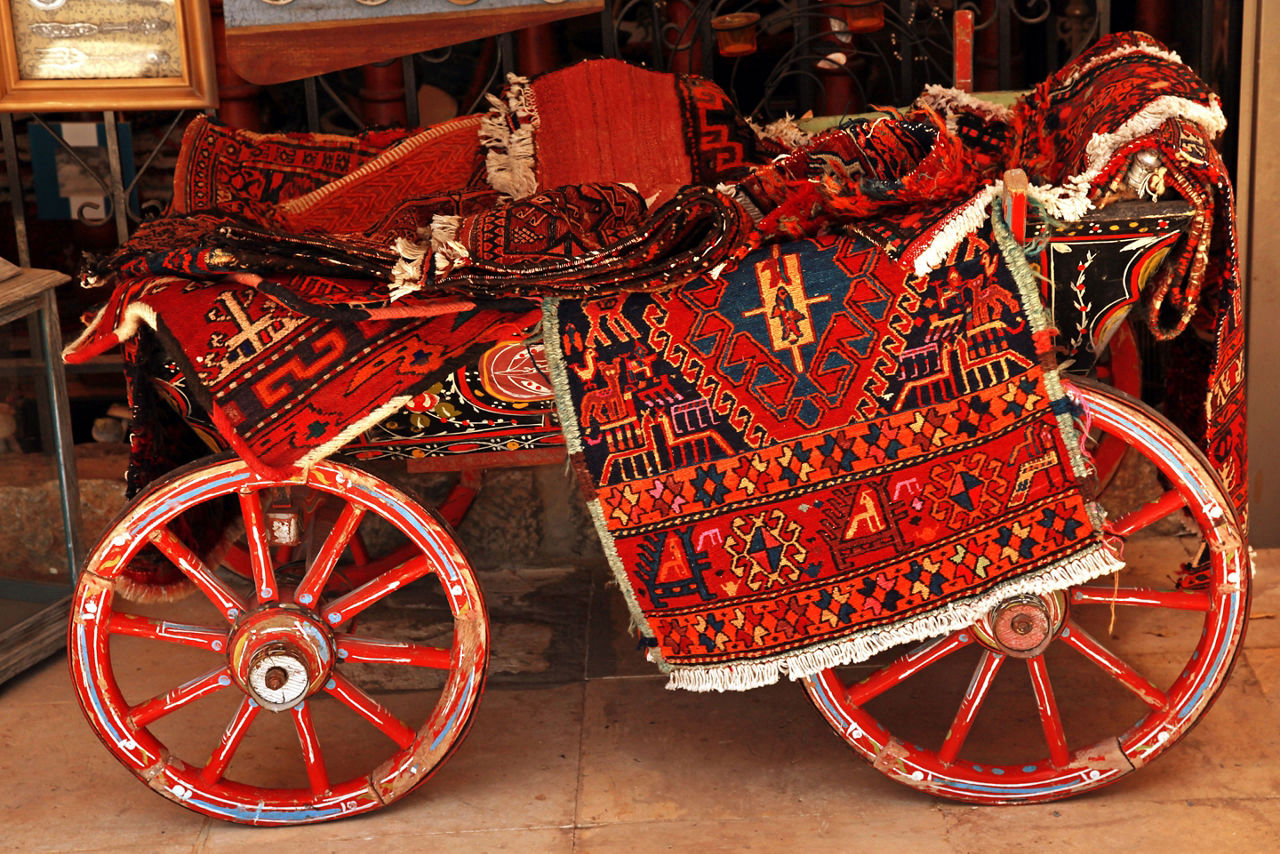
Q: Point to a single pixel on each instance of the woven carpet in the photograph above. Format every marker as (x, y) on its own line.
(855, 437)
(815, 455)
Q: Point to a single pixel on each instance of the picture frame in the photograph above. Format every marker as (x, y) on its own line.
(64, 55)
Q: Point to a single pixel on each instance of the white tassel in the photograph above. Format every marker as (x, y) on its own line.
(962, 222)
(1093, 563)
(508, 132)
(406, 274)
(951, 102)
(1071, 201)
(449, 253)
(783, 131)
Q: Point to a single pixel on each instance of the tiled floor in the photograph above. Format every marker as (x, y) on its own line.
(590, 753)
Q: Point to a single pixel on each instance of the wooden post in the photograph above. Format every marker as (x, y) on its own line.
(536, 50)
(382, 93)
(237, 97)
(962, 33)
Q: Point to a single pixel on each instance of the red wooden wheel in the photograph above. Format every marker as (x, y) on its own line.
(356, 566)
(1100, 694)
(282, 663)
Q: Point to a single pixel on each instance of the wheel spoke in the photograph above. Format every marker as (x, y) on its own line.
(904, 667)
(1179, 600)
(372, 711)
(1079, 640)
(322, 567)
(1047, 705)
(201, 637)
(345, 607)
(186, 560)
(317, 776)
(354, 649)
(149, 711)
(216, 767)
(1148, 514)
(255, 534)
(983, 675)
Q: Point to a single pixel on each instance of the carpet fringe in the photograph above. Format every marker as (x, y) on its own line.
(1086, 566)
(784, 131)
(963, 221)
(949, 102)
(449, 253)
(1069, 201)
(134, 315)
(406, 273)
(507, 132)
(144, 593)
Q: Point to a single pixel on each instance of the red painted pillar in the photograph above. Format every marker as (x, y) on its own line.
(382, 94)
(962, 51)
(986, 51)
(536, 50)
(1155, 17)
(682, 39)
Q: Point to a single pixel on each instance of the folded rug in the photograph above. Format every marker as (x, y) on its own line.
(607, 121)
(284, 388)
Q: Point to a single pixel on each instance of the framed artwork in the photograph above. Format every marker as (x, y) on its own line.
(58, 55)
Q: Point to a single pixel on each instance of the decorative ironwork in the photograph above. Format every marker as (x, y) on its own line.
(838, 56)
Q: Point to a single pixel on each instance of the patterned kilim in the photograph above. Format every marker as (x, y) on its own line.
(228, 169)
(607, 121)
(284, 388)
(816, 456)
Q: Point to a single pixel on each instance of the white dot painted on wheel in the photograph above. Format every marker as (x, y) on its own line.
(306, 599)
(917, 775)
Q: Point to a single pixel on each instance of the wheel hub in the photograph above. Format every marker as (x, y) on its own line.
(1022, 626)
(280, 655)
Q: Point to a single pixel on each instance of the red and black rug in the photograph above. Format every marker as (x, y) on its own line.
(816, 456)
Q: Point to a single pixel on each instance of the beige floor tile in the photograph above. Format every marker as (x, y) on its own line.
(49, 681)
(919, 830)
(322, 840)
(1265, 665)
(59, 788)
(654, 755)
(1230, 753)
(517, 770)
(1109, 821)
(1264, 628)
